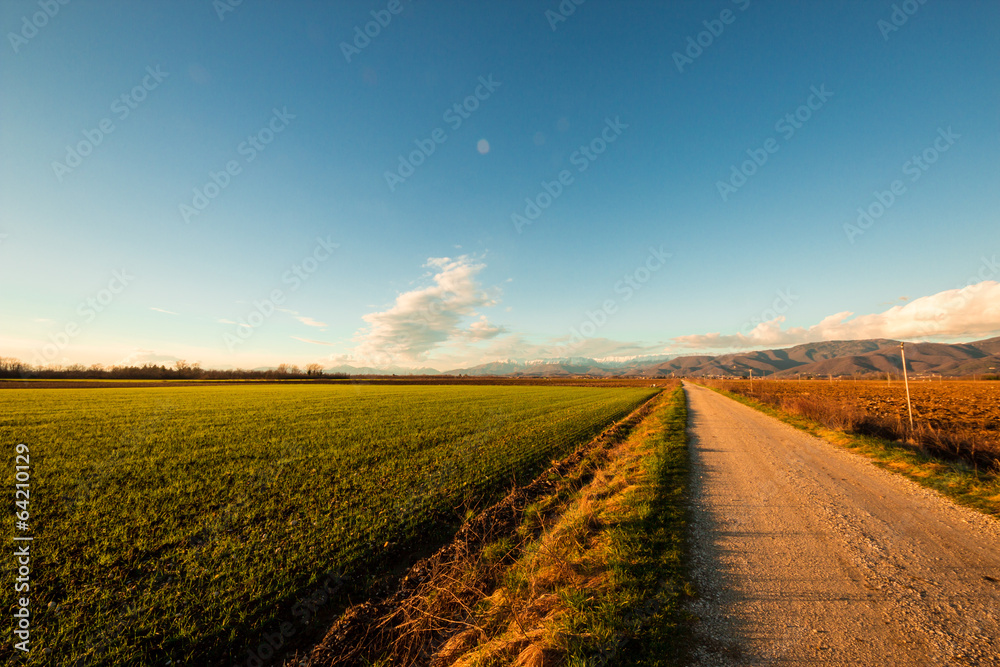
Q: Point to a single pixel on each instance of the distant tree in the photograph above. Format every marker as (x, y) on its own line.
(15, 368)
(11, 367)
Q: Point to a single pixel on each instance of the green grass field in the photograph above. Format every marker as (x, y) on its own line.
(197, 524)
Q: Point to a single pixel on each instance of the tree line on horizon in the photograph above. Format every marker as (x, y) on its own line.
(181, 370)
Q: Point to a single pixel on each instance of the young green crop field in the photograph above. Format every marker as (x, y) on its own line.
(208, 524)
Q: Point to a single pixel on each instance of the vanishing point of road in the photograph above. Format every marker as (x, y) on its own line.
(804, 553)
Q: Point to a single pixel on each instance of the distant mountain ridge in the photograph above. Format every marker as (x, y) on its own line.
(837, 358)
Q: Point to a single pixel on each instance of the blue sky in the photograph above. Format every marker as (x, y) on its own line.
(638, 253)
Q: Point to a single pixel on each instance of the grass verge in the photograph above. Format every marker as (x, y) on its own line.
(956, 479)
(637, 618)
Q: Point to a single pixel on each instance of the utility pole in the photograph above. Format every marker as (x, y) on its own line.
(909, 408)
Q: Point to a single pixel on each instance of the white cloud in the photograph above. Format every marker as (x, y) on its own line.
(309, 322)
(160, 310)
(481, 329)
(310, 340)
(429, 318)
(972, 311)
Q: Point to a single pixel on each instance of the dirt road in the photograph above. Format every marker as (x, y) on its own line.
(805, 553)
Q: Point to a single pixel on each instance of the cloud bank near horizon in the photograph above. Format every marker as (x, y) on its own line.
(425, 326)
(439, 325)
(972, 311)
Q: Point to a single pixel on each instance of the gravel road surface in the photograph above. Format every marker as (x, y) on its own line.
(805, 553)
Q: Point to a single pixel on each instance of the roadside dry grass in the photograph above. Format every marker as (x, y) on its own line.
(598, 581)
(957, 477)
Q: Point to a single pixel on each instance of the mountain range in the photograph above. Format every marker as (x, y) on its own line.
(840, 358)
(836, 358)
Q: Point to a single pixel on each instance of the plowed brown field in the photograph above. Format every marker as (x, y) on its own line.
(949, 405)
